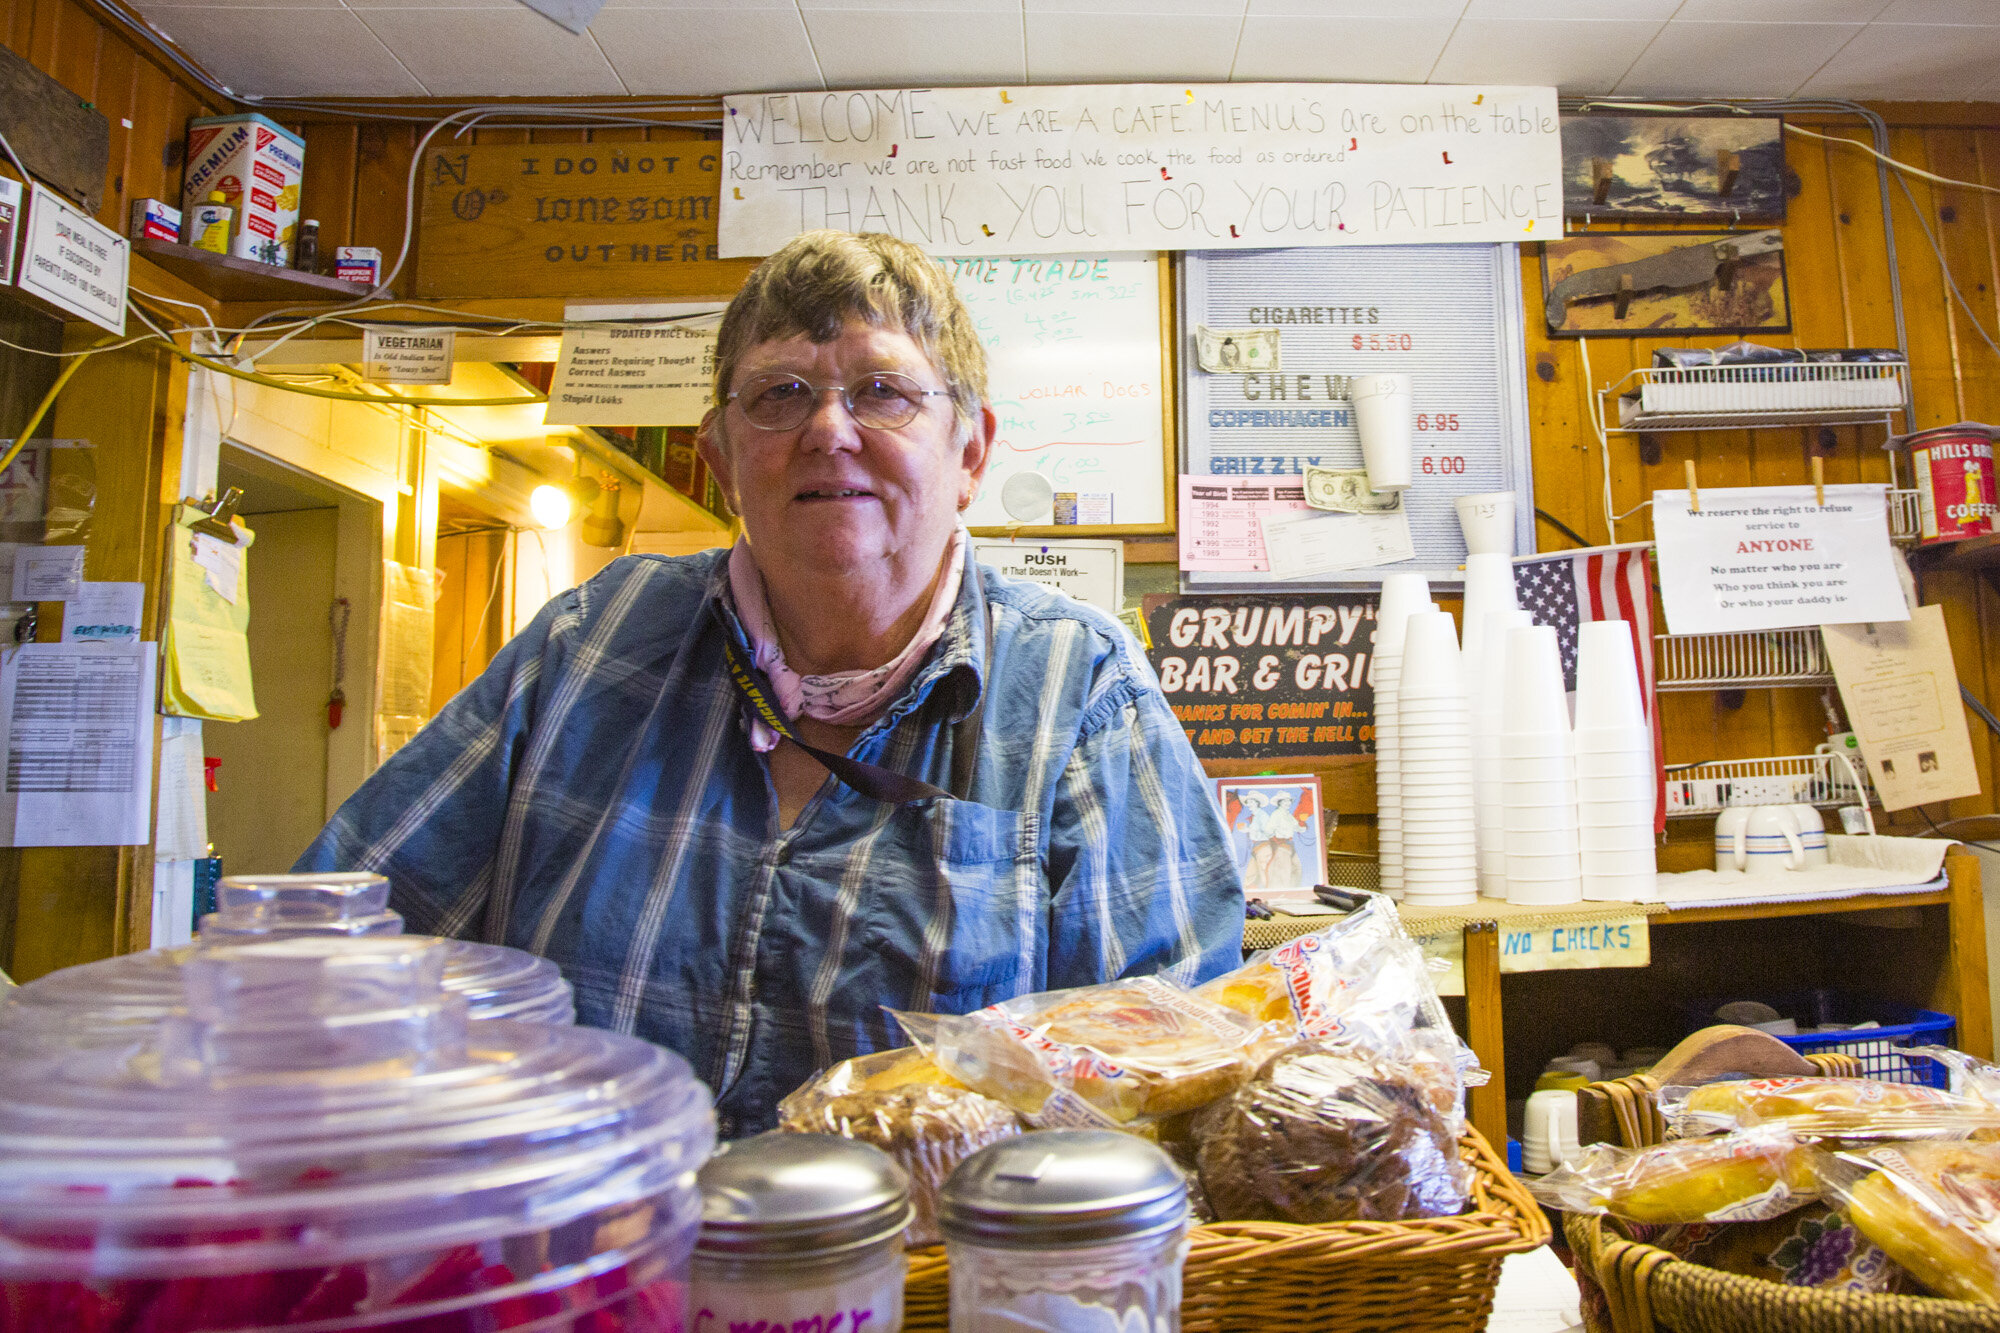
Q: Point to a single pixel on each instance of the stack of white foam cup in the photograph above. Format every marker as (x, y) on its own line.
(1487, 701)
(1614, 766)
(1538, 790)
(1434, 741)
(1489, 587)
(1403, 595)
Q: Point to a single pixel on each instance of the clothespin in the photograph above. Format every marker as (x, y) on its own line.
(1694, 491)
(1600, 179)
(1728, 166)
(1819, 481)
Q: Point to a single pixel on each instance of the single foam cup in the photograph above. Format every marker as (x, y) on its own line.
(1384, 416)
(1430, 656)
(1487, 520)
(1607, 676)
(1640, 862)
(1532, 700)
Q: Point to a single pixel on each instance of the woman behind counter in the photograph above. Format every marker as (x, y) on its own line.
(638, 785)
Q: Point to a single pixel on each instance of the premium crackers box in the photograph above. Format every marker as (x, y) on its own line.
(256, 163)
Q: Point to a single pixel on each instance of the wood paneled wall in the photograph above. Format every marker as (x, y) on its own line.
(147, 103)
(1837, 260)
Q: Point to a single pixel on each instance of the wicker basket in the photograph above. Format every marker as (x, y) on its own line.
(1432, 1274)
(1647, 1289)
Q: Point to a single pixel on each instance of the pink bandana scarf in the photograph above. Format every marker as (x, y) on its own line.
(847, 698)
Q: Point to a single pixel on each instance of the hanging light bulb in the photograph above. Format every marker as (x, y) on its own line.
(550, 505)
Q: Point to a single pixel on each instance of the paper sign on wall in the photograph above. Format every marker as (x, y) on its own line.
(1090, 571)
(639, 374)
(1900, 688)
(1773, 558)
(10, 213)
(76, 729)
(1025, 170)
(406, 356)
(74, 262)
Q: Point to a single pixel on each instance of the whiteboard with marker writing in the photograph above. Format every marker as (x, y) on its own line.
(1077, 378)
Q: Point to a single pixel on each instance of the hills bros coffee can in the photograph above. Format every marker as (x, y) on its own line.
(1953, 466)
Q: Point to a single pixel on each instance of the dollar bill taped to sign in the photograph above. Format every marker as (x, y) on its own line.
(1236, 351)
(1345, 491)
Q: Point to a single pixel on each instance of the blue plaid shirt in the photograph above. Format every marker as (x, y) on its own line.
(593, 797)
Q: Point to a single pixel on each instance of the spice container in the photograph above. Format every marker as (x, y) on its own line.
(121, 999)
(801, 1231)
(1066, 1231)
(319, 1138)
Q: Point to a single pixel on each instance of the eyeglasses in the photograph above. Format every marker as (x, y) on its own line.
(880, 400)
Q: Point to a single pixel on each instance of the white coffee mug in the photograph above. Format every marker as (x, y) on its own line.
(1812, 834)
(1762, 840)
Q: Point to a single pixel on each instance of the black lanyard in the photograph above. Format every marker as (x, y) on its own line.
(873, 780)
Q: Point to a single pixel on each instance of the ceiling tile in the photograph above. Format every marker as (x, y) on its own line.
(284, 52)
(700, 52)
(493, 52)
(1573, 11)
(1120, 48)
(922, 6)
(1436, 10)
(172, 6)
(1575, 57)
(1339, 50)
(1734, 59)
(713, 6)
(1975, 12)
(861, 48)
(1780, 11)
(1917, 62)
(1136, 8)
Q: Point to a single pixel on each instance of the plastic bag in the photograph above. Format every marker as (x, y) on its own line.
(1097, 1056)
(1934, 1207)
(1327, 1132)
(1748, 1176)
(1362, 978)
(909, 1108)
(1836, 1107)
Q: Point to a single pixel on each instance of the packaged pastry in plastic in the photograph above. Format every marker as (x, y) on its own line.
(1934, 1206)
(1114, 1055)
(1362, 975)
(1742, 1177)
(1329, 1133)
(909, 1108)
(1837, 1107)
(1811, 1246)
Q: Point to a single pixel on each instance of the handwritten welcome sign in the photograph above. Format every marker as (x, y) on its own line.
(1008, 171)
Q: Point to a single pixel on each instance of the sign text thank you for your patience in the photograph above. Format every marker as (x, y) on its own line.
(996, 171)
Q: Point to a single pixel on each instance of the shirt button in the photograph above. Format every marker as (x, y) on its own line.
(782, 855)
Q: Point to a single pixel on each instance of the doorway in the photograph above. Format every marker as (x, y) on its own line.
(278, 776)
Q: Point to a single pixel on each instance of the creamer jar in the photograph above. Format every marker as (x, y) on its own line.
(1953, 470)
(800, 1231)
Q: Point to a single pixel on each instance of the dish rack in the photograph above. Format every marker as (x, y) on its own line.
(1749, 659)
(1827, 779)
(1789, 393)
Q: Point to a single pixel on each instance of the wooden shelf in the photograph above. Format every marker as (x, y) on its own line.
(1860, 902)
(1972, 553)
(228, 278)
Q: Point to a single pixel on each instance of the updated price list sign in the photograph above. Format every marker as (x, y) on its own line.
(1267, 677)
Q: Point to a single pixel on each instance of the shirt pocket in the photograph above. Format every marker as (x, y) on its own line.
(970, 926)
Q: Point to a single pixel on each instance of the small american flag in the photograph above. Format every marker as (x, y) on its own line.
(1598, 583)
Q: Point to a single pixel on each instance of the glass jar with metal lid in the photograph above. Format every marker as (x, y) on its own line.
(317, 1138)
(121, 999)
(1068, 1231)
(800, 1231)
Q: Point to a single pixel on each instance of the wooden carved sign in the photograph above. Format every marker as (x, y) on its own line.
(619, 221)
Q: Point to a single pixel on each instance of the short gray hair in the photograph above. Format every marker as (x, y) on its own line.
(822, 279)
